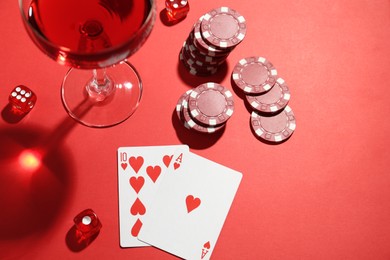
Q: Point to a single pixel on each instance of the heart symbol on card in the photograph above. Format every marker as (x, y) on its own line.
(137, 208)
(153, 172)
(137, 183)
(192, 203)
(136, 228)
(124, 166)
(176, 165)
(205, 250)
(167, 160)
(136, 163)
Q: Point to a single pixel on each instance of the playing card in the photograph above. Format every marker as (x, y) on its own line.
(178, 157)
(140, 171)
(190, 207)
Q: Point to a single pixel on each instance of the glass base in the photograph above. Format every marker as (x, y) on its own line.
(93, 110)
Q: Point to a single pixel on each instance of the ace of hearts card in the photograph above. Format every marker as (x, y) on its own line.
(140, 171)
(190, 207)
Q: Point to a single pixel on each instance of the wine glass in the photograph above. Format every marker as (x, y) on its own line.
(94, 37)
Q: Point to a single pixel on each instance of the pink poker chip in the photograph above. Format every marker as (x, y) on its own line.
(193, 68)
(211, 104)
(179, 104)
(201, 44)
(191, 124)
(196, 54)
(223, 27)
(254, 75)
(274, 129)
(273, 101)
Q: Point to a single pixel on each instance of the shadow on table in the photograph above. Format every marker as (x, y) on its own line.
(35, 181)
(36, 177)
(73, 241)
(192, 138)
(165, 19)
(12, 115)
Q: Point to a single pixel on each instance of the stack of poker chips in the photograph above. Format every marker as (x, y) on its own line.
(211, 40)
(267, 94)
(206, 108)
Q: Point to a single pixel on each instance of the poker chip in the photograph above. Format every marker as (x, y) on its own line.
(179, 104)
(211, 104)
(193, 70)
(223, 27)
(200, 42)
(191, 124)
(272, 119)
(201, 58)
(208, 107)
(196, 63)
(274, 129)
(196, 66)
(272, 101)
(207, 102)
(254, 75)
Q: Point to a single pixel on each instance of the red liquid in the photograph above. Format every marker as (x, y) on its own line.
(89, 33)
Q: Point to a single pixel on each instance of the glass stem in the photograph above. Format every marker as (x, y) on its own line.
(100, 86)
(100, 77)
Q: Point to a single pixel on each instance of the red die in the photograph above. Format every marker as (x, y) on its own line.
(87, 224)
(22, 99)
(177, 9)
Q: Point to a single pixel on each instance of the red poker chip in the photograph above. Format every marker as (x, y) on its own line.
(223, 27)
(274, 129)
(190, 60)
(198, 55)
(201, 44)
(272, 101)
(220, 54)
(191, 65)
(191, 124)
(211, 104)
(254, 75)
(179, 104)
(193, 71)
(207, 52)
(198, 63)
(196, 70)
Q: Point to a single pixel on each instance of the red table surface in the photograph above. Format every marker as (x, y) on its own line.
(323, 194)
